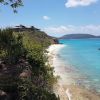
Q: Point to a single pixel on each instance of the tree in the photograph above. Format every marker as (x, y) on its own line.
(12, 3)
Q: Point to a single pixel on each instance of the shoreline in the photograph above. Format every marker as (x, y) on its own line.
(64, 88)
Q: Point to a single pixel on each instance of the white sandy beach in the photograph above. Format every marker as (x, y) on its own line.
(64, 88)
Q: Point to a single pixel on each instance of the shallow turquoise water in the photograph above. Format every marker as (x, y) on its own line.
(84, 57)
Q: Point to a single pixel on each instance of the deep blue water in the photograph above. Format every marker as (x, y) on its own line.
(84, 57)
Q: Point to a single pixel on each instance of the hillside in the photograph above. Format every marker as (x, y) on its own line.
(78, 36)
(35, 34)
(23, 73)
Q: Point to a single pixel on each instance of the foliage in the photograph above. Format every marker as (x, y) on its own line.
(24, 74)
(13, 3)
(11, 46)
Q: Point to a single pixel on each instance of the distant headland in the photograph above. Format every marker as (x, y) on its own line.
(78, 36)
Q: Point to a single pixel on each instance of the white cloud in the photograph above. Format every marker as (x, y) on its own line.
(75, 3)
(46, 18)
(60, 30)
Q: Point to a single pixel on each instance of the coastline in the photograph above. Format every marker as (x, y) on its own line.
(64, 88)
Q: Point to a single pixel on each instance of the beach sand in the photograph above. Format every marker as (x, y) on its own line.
(65, 87)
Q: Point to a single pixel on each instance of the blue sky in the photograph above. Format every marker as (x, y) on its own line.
(56, 17)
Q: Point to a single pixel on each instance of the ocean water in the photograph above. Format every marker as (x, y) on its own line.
(82, 60)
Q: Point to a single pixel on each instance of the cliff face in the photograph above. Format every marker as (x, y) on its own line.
(54, 41)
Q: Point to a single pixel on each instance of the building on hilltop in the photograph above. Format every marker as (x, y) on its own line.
(22, 28)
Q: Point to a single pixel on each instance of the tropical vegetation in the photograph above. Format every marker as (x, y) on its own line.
(24, 74)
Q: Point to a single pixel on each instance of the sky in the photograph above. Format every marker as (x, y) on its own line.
(55, 17)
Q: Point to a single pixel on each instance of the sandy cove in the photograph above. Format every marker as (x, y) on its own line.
(64, 88)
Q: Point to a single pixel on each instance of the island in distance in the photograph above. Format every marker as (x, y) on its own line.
(78, 36)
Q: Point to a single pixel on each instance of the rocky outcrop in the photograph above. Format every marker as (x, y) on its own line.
(56, 41)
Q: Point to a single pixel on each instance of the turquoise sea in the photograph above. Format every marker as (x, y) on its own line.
(83, 57)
